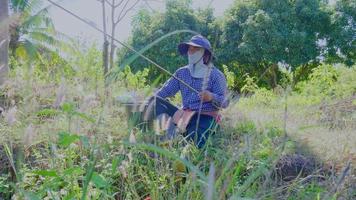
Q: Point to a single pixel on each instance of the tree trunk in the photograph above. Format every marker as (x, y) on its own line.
(105, 57)
(112, 47)
(112, 53)
(14, 34)
(113, 27)
(106, 42)
(275, 71)
(273, 76)
(4, 40)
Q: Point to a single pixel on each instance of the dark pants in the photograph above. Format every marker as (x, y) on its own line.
(199, 135)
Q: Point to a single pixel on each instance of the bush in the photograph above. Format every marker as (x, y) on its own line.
(328, 82)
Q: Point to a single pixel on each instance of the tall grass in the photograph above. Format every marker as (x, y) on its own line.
(81, 149)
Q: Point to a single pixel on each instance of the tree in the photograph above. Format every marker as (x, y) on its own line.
(33, 33)
(232, 29)
(118, 9)
(265, 32)
(149, 26)
(4, 39)
(342, 38)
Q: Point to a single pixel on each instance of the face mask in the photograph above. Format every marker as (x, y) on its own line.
(195, 57)
(200, 70)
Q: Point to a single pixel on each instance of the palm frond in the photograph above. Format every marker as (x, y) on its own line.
(52, 42)
(34, 5)
(39, 20)
(26, 49)
(45, 14)
(42, 37)
(36, 30)
(18, 5)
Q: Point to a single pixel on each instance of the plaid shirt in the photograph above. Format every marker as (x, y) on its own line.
(216, 85)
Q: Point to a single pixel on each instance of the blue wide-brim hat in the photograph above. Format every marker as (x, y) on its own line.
(197, 41)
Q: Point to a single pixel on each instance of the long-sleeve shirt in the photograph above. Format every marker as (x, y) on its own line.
(216, 85)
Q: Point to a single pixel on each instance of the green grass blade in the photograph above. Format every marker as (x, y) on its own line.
(170, 155)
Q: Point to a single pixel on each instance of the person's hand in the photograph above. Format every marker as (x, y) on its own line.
(206, 96)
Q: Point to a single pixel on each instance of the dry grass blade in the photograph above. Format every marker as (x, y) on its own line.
(2, 43)
(10, 116)
(10, 156)
(342, 177)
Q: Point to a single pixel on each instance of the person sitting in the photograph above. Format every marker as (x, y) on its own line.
(203, 88)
